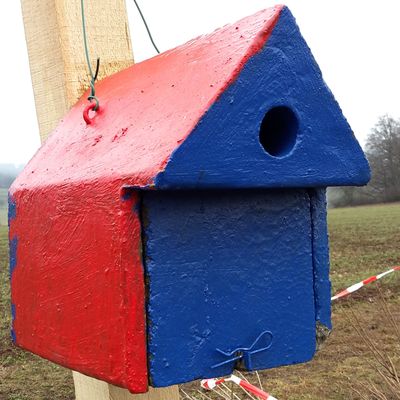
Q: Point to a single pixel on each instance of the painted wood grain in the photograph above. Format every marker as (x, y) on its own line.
(53, 33)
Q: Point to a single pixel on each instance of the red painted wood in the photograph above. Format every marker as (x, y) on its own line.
(78, 287)
(147, 110)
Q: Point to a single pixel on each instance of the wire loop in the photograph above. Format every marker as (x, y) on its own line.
(96, 102)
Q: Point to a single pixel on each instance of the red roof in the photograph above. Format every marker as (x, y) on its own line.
(147, 110)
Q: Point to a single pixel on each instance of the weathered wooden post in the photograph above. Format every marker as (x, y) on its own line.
(179, 232)
(53, 30)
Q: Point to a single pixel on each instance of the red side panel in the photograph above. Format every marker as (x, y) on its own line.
(78, 285)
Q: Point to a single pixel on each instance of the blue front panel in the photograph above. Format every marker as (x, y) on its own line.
(225, 268)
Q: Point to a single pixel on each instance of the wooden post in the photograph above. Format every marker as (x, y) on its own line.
(53, 31)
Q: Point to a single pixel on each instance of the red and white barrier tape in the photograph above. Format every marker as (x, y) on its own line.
(359, 285)
(210, 384)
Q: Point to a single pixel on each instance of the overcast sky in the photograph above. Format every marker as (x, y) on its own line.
(356, 44)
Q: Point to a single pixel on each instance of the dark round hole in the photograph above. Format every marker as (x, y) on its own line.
(278, 131)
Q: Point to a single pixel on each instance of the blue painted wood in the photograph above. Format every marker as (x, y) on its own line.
(222, 268)
(322, 283)
(224, 149)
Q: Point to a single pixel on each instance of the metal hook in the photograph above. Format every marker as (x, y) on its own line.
(245, 353)
(89, 107)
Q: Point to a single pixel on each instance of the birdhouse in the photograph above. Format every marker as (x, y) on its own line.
(182, 232)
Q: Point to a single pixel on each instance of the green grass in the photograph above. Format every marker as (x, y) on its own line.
(3, 207)
(364, 241)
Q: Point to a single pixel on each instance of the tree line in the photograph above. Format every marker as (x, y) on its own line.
(383, 153)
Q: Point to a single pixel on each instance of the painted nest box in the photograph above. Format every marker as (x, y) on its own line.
(183, 232)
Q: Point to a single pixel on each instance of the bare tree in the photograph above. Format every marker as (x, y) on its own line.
(383, 152)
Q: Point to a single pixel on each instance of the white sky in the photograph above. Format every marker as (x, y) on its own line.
(356, 43)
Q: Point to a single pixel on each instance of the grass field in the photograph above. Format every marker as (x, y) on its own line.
(364, 240)
(3, 206)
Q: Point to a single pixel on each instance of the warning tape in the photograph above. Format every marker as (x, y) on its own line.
(359, 285)
(210, 384)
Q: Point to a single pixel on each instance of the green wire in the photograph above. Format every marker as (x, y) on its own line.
(146, 26)
(94, 77)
